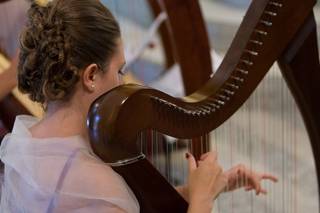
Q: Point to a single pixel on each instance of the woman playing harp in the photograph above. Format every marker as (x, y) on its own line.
(71, 53)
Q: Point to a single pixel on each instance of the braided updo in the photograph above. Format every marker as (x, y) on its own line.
(60, 40)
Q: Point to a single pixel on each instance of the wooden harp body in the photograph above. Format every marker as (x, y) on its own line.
(270, 32)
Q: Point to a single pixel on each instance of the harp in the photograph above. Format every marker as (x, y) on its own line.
(269, 32)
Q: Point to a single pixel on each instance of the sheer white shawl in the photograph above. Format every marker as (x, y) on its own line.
(58, 175)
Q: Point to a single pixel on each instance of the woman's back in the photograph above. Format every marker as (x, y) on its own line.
(59, 173)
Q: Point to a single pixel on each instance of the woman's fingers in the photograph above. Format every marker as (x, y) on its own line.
(220, 184)
(253, 180)
(206, 179)
(263, 191)
(254, 184)
(269, 177)
(191, 162)
(209, 156)
(241, 176)
(248, 188)
(203, 156)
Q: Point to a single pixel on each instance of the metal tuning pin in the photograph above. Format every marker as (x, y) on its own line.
(256, 42)
(277, 4)
(261, 32)
(247, 62)
(237, 79)
(266, 23)
(242, 71)
(270, 13)
(229, 92)
(233, 86)
(251, 52)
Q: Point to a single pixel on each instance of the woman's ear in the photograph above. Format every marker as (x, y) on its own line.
(89, 77)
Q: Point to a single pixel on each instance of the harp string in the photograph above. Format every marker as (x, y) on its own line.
(278, 151)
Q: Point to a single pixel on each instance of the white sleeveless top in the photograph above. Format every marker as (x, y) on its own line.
(58, 175)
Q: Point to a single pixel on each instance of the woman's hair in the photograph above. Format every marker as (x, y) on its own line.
(62, 38)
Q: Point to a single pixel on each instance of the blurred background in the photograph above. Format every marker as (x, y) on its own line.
(267, 134)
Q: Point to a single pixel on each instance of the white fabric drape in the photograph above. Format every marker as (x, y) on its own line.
(60, 171)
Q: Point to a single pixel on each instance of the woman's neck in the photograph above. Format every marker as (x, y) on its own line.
(61, 120)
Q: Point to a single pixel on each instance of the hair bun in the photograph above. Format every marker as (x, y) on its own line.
(45, 57)
(62, 38)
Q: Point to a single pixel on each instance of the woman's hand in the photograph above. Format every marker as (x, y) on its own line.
(206, 181)
(240, 176)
